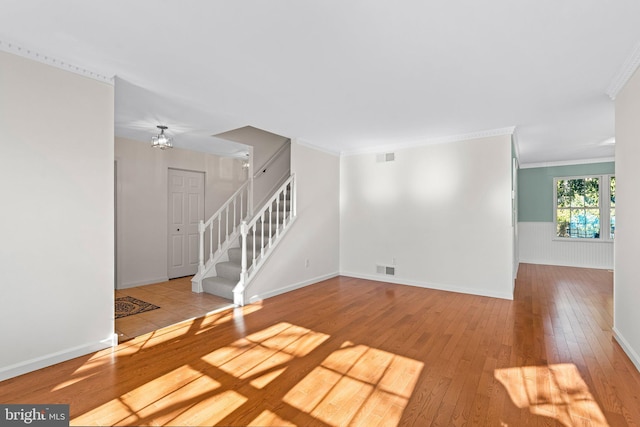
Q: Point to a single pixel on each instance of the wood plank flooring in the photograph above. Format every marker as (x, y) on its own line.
(355, 352)
(176, 301)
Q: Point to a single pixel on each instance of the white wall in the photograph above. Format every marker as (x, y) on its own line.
(142, 174)
(56, 220)
(539, 244)
(315, 234)
(441, 214)
(627, 243)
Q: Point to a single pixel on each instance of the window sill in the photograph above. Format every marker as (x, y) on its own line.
(581, 240)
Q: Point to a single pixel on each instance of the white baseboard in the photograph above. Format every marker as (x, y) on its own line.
(435, 286)
(142, 282)
(635, 358)
(57, 357)
(564, 264)
(439, 287)
(289, 288)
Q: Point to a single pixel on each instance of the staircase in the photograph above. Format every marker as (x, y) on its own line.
(244, 241)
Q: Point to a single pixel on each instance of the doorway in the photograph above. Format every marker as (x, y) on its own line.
(185, 211)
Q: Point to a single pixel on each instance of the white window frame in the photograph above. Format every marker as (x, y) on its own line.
(605, 209)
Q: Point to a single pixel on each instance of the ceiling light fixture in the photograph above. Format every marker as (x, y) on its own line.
(161, 140)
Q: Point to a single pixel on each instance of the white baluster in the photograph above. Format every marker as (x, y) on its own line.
(277, 217)
(201, 248)
(284, 207)
(219, 235)
(294, 196)
(234, 215)
(270, 223)
(243, 262)
(254, 247)
(262, 236)
(241, 208)
(210, 242)
(226, 226)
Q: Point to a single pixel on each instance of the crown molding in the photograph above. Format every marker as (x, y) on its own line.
(567, 163)
(624, 74)
(442, 140)
(15, 49)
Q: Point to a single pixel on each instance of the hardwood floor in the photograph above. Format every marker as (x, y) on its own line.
(176, 302)
(355, 352)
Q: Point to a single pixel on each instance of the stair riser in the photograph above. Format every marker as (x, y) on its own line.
(228, 271)
(221, 290)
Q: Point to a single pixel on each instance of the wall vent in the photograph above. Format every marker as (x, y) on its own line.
(385, 157)
(384, 269)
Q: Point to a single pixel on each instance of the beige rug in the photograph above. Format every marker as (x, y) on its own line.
(128, 306)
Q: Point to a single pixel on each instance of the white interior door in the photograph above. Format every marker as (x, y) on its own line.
(186, 209)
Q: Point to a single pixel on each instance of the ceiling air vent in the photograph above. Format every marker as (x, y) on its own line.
(385, 157)
(384, 269)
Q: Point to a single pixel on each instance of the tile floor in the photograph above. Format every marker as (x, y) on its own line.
(176, 302)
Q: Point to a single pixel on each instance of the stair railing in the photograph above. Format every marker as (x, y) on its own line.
(223, 226)
(277, 213)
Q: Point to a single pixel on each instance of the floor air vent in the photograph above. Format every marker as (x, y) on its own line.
(383, 269)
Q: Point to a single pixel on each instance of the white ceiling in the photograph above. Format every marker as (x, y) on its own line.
(348, 76)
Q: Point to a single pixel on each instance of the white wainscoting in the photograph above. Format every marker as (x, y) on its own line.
(537, 246)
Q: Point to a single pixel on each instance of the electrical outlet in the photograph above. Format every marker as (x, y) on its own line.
(306, 263)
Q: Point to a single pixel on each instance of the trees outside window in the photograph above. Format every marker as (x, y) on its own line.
(580, 212)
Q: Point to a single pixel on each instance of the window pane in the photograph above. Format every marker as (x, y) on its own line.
(584, 223)
(576, 192)
(563, 219)
(592, 223)
(592, 192)
(563, 194)
(612, 218)
(612, 207)
(612, 191)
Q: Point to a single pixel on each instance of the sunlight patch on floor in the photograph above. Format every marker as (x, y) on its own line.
(268, 418)
(352, 384)
(357, 384)
(199, 400)
(554, 391)
(263, 355)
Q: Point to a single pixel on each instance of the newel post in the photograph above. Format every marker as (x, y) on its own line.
(238, 291)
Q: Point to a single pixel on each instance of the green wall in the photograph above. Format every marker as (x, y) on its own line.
(535, 188)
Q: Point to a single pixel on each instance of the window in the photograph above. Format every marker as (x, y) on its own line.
(612, 206)
(585, 207)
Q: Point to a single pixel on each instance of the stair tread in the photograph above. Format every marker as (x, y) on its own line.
(229, 263)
